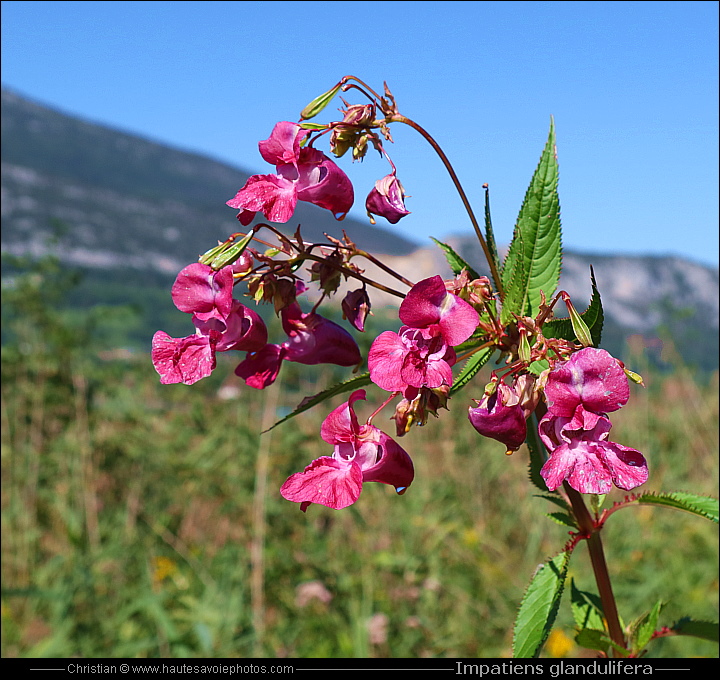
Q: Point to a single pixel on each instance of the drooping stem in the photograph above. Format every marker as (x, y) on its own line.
(463, 197)
(599, 565)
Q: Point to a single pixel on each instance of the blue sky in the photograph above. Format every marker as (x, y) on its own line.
(633, 87)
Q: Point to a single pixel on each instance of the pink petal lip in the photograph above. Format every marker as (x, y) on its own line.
(325, 481)
(183, 360)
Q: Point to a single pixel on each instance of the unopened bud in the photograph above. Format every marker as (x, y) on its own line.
(319, 103)
(582, 332)
(635, 377)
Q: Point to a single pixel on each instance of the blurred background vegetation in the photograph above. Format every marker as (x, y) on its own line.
(141, 520)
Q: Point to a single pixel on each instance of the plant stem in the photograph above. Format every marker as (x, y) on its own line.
(451, 171)
(597, 558)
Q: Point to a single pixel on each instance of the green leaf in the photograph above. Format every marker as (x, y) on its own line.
(490, 235)
(586, 609)
(470, 369)
(340, 388)
(558, 500)
(562, 518)
(641, 631)
(706, 630)
(539, 607)
(535, 254)
(703, 506)
(593, 317)
(590, 638)
(457, 264)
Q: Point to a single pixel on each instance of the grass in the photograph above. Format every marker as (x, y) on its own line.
(142, 520)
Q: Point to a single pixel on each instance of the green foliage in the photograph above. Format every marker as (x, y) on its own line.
(133, 525)
(539, 607)
(457, 264)
(697, 505)
(341, 388)
(534, 257)
(470, 369)
(705, 630)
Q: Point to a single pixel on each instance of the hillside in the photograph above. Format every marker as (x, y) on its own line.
(133, 212)
(127, 201)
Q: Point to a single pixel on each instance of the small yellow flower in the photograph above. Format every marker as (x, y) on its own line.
(558, 645)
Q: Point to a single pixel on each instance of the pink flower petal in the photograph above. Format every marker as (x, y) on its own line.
(394, 466)
(199, 289)
(325, 481)
(326, 186)
(261, 368)
(428, 303)
(385, 361)
(498, 418)
(628, 466)
(283, 145)
(272, 195)
(591, 377)
(581, 466)
(341, 424)
(183, 360)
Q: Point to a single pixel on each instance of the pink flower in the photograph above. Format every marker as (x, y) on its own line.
(421, 354)
(303, 173)
(398, 361)
(500, 416)
(312, 339)
(575, 429)
(221, 323)
(362, 454)
(387, 199)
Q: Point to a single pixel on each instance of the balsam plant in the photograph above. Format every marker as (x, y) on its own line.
(552, 388)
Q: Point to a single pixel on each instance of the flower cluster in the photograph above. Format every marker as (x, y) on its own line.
(441, 319)
(221, 322)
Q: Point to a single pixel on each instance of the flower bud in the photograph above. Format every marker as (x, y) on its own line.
(319, 103)
(387, 200)
(356, 307)
(500, 416)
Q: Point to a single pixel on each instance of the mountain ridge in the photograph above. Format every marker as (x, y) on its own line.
(128, 204)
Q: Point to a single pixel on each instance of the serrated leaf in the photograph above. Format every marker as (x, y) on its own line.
(703, 506)
(641, 631)
(535, 254)
(558, 500)
(593, 317)
(470, 369)
(562, 518)
(586, 609)
(706, 630)
(590, 638)
(456, 262)
(539, 607)
(490, 237)
(308, 402)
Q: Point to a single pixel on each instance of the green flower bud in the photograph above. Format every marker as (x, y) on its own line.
(319, 103)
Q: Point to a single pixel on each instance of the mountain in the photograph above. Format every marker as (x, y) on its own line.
(134, 212)
(127, 201)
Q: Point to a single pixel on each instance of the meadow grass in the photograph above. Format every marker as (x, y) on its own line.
(142, 520)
